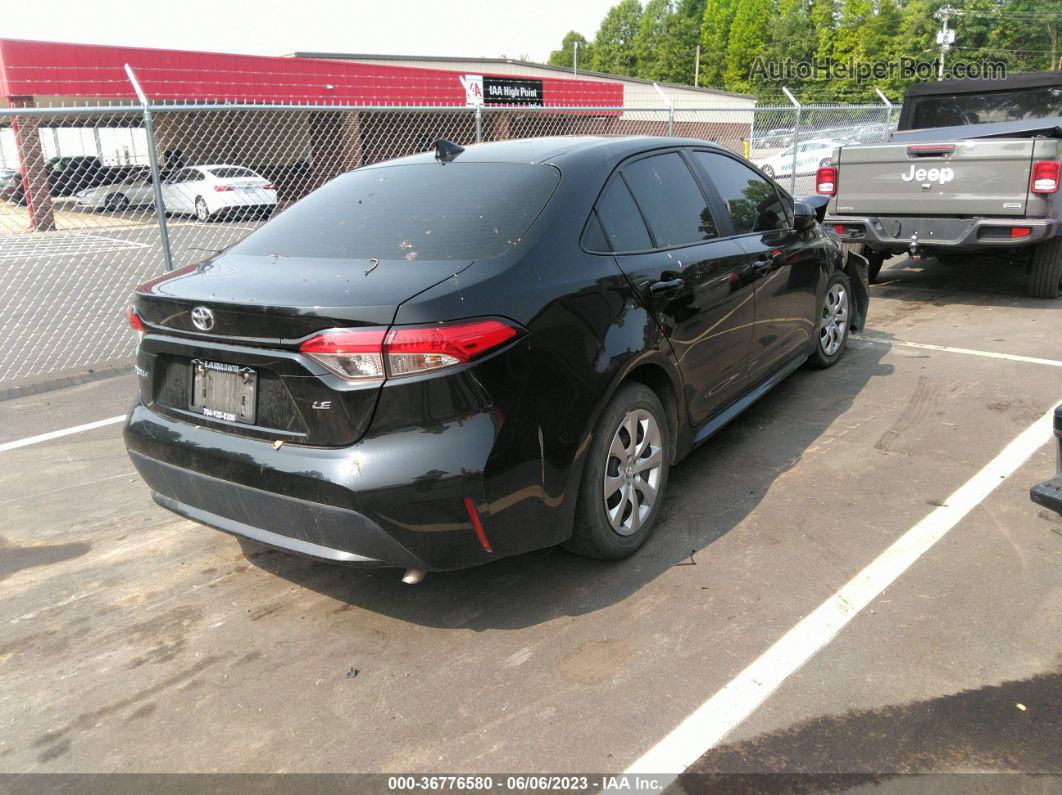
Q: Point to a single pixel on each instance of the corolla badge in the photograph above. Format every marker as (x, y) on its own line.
(202, 318)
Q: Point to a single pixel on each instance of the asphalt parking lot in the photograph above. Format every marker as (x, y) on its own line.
(135, 641)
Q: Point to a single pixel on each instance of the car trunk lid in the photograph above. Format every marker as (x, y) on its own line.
(291, 297)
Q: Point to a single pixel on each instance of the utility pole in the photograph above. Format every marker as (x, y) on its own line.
(697, 67)
(945, 36)
(575, 58)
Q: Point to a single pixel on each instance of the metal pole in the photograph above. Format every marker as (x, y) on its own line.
(670, 108)
(888, 110)
(479, 124)
(156, 176)
(796, 139)
(697, 68)
(575, 59)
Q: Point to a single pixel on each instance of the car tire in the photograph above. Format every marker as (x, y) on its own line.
(1045, 275)
(768, 171)
(608, 525)
(202, 212)
(835, 316)
(116, 203)
(824, 162)
(875, 259)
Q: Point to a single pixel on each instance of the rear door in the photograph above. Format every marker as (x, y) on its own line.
(785, 268)
(689, 273)
(953, 178)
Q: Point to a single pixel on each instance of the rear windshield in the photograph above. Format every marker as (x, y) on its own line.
(957, 109)
(428, 211)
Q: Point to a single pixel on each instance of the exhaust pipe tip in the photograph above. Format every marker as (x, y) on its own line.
(413, 576)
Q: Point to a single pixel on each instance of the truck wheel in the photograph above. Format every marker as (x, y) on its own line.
(1045, 277)
(875, 259)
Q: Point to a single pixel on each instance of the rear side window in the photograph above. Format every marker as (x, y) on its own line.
(673, 205)
(621, 220)
(429, 211)
(752, 201)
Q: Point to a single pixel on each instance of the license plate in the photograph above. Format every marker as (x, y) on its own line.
(224, 391)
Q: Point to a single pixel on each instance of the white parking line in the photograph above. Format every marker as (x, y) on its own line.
(970, 352)
(44, 437)
(743, 694)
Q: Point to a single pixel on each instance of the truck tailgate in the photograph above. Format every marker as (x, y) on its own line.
(953, 178)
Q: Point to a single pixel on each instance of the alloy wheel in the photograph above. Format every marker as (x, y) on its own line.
(834, 320)
(632, 472)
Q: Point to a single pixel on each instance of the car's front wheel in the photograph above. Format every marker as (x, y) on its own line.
(834, 322)
(625, 477)
(202, 212)
(768, 170)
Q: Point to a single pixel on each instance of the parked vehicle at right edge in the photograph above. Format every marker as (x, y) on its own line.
(441, 360)
(1049, 493)
(975, 167)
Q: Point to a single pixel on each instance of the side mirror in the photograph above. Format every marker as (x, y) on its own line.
(804, 216)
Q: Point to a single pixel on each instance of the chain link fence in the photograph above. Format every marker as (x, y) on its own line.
(95, 200)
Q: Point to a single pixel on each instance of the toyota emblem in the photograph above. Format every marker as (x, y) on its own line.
(202, 318)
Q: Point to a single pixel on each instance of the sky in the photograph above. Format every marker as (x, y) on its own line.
(469, 28)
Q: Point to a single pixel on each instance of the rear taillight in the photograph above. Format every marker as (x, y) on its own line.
(838, 229)
(826, 181)
(1045, 176)
(1020, 231)
(269, 186)
(372, 355)
(223, 188)
(135, 323)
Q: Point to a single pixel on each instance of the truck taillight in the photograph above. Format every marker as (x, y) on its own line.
(826, 181)
(1045, 176)
(372, 354)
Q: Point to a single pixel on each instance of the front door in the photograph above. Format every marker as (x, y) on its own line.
(787, 266)
(693, 280)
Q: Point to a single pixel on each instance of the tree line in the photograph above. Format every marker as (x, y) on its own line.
(739, 37)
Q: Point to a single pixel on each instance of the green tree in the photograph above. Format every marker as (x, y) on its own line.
(791, 41)
(614, 44)
(715, 35)
(564, 56)
(746, 42)
(1027, 35)
(649, 41)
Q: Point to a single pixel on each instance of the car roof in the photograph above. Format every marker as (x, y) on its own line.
(221, 165)
(556, 149)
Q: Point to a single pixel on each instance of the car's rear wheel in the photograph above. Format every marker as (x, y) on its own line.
(834, 322)
(768, 171)
(202, 212)
(1045, 275)
(625, 477)
(116, 202)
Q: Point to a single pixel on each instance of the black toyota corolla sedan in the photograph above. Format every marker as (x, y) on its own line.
(441, 360)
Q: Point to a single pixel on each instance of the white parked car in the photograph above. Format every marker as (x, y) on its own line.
(810, 155)
(136, 191)
(207, 191)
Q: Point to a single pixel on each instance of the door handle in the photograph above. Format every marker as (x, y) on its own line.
(666, 286)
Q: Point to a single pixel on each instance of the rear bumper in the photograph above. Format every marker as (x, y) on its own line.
(397, 499)
(898, 233)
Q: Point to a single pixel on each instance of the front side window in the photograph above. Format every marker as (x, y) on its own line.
(673, 205)
(752, 201)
